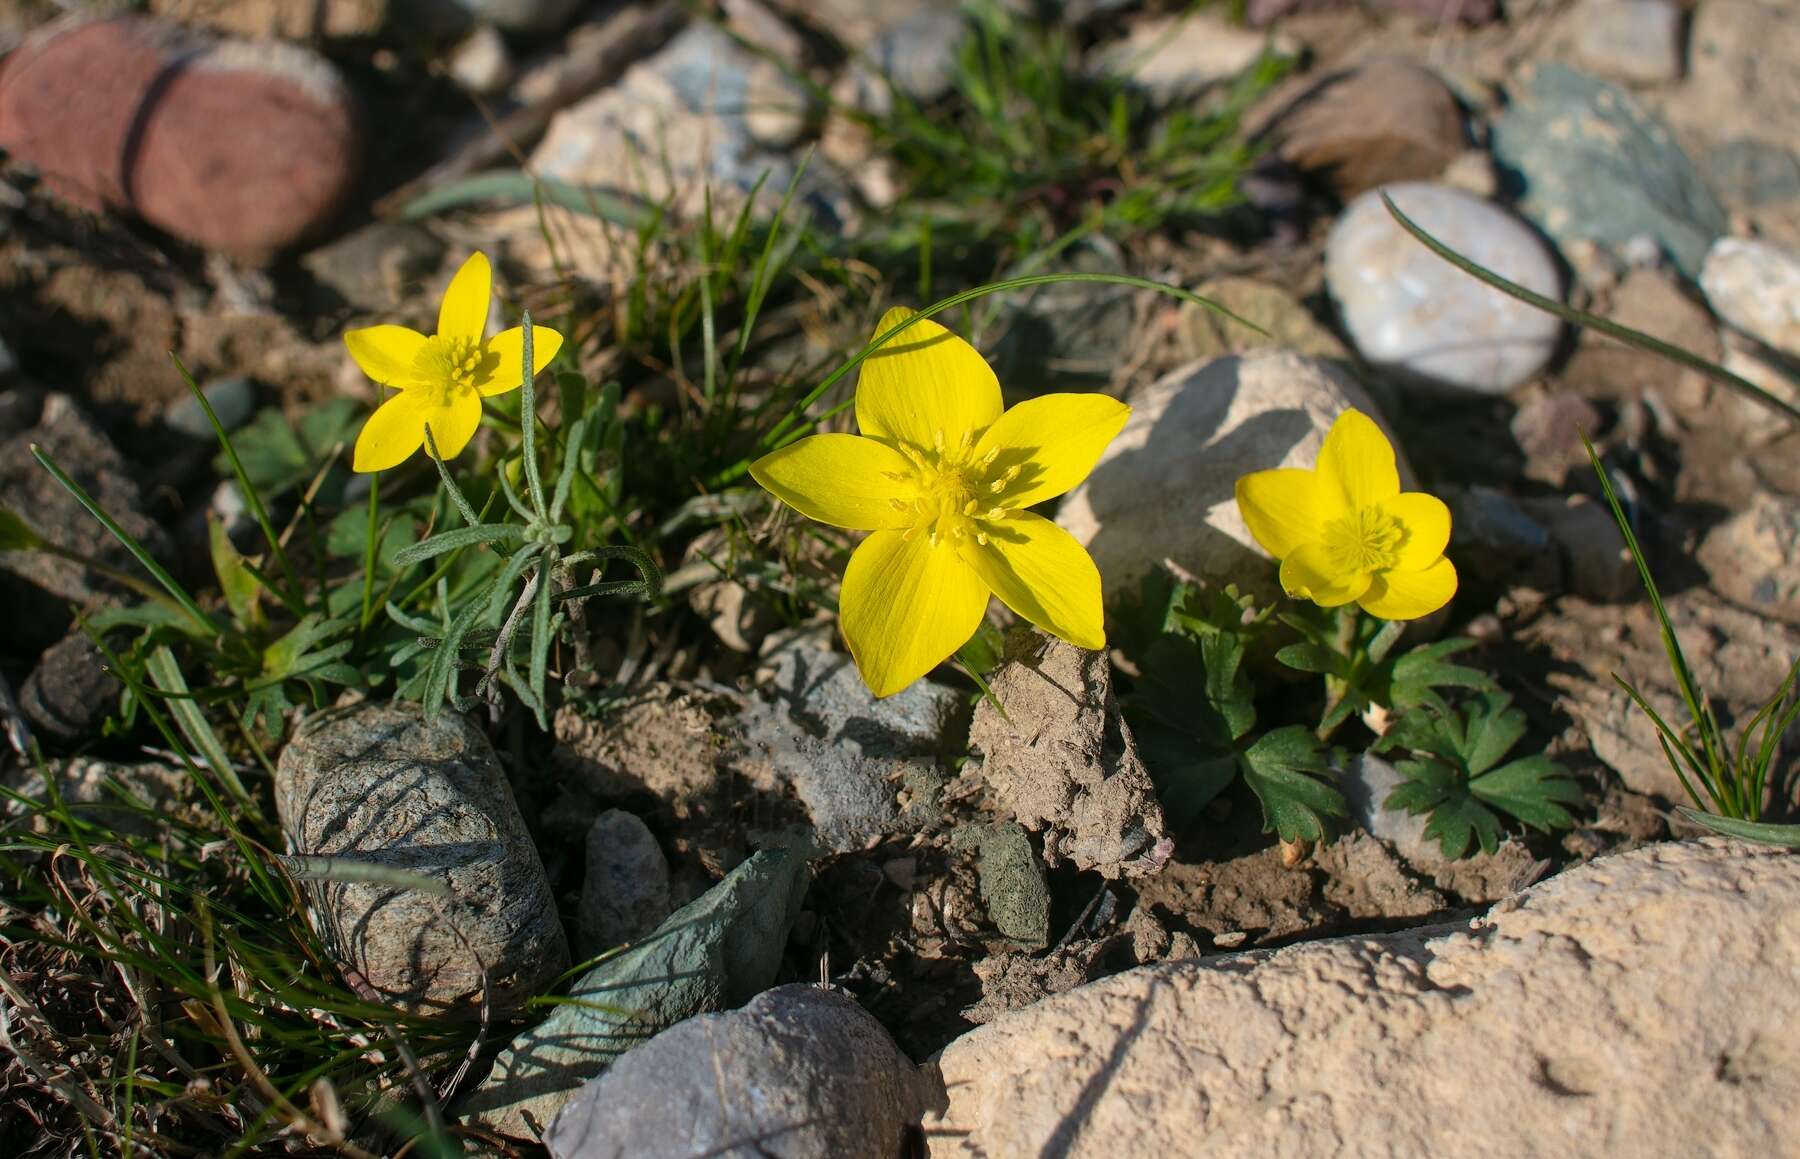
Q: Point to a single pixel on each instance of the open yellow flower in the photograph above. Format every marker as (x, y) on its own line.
(942, 479)
(1344, 530)
(441, 379)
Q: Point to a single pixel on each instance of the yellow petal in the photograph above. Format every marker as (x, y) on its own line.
(843, 480)
(1358, 459)
(1040, 571)
(455, 423)
(905, 607)
(1307, 574)
(393, 432)
(1286, 507)
(1426, 522)
(386, 353)
(464, 311)
(923, 381)
(1408, 595)
(504, 367)
(1054, 440)
(397, 428)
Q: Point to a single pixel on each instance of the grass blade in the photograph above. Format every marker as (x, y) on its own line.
(201, 620)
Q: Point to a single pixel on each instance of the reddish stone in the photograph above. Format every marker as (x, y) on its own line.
(245, 147)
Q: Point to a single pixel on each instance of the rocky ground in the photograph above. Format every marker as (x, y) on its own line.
(1026, 953)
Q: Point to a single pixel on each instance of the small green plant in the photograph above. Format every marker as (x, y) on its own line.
(1195, 712)
(1029, 143)
(1456, 777)
(1728, 784)
(531, 583)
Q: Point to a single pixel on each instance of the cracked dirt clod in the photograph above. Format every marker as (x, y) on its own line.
(1062, 760)
(1568, 1018)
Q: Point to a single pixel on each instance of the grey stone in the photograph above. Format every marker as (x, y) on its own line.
(1636, 41)
(1755, 287)
(1012, 882)
(1174, 58)
(1590, 162)
(1366, 782)
(69, 693)
(1410, 312)
(36, 588)
(1754, 557)
(1060, 758)
(1165, 488)
(233, 401)
(375, 268)
(915, 57)
(1507, 546)
(811, 1076)
(626, 892)
(1598, 566)
(715, 952)
(374, 784)
(819, 730)
(678, 124)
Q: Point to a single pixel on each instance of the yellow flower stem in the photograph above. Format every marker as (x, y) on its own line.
(528, 424)
(456, 495)
(795, 418)
(369, 544)
(1349, 618)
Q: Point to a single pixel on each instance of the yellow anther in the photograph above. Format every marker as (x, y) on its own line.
(940, 440)
(981, 538)
(987, 460)
(970, 507)
(995, 513)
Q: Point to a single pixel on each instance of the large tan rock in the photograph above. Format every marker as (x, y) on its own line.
(1164, 489)
(1639, 1005)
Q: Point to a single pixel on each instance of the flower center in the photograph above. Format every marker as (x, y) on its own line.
(1363, 541)
(960, 494)
(449, 365)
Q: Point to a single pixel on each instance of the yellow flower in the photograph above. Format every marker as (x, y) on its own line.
(1345, 531)
(942, 479)
(441, 379)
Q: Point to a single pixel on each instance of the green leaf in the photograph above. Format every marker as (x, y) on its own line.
(1416, 676)
(1309, 657)
(1199, 687)
(1457, 818)
(16, 534)
(1186, 780)
(1762, 832)
(1456, 781)
(458, 537)
(278, 457)
(1290, 774)
(236, 581)
(1533, 789)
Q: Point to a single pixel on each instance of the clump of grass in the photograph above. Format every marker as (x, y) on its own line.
(1728, 785)
(1029, 145)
